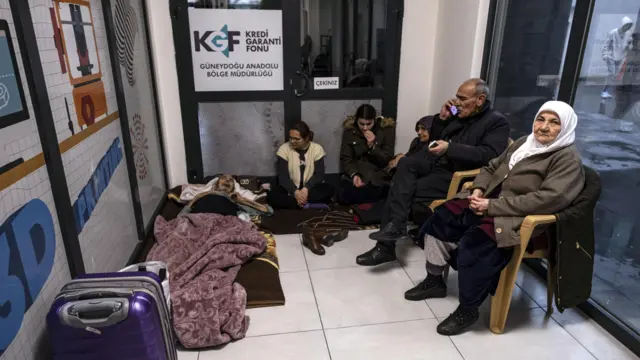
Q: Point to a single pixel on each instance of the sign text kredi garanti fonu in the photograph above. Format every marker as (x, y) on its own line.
(255, 42)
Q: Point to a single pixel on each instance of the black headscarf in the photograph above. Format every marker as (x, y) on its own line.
(425, 121)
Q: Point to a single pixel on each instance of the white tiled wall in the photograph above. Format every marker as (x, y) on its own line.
(31, 338)
(22, 140)
(114, 211)
(58, 84)
(109, 236)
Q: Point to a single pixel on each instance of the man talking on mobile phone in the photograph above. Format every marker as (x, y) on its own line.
(467, 134)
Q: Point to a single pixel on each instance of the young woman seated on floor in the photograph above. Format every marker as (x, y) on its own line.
(300, 169)
(367, 148)
(541, 173)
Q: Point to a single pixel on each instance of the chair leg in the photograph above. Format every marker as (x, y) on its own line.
(501, 301)
(445, 274)
(551, 285)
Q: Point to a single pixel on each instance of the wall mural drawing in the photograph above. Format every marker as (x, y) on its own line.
(75, 40)
(27, 252)
(140, 144)
(126, 27)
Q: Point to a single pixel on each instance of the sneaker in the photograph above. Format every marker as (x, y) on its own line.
(605, 95)
(432, 286)
(389, 232)
(458, 322)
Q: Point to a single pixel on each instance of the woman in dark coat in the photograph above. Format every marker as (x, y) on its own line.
(367, 148)
(541, 173)
(419, 145)
(301, 172)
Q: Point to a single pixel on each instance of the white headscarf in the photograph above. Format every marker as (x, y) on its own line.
(566, 137)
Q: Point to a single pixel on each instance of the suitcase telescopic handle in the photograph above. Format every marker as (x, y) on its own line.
(95, 313)
(97, 294)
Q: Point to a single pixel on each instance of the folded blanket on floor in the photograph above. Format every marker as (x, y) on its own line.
(204, 253)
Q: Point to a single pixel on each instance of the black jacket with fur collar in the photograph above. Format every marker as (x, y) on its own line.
(356, 158)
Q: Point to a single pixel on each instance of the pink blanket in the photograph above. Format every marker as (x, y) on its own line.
(203, 253)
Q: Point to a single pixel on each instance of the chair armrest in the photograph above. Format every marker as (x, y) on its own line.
(529, 225)
(457, 178)
(435, 203)
(467, 185)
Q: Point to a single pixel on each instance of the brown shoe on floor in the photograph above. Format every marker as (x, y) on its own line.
(329, 237)
(312, 242)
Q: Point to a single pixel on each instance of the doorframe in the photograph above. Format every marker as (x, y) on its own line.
(190, 99)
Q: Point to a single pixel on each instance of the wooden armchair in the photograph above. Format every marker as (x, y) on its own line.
(456, 180)
(454, 185)
(501, 301)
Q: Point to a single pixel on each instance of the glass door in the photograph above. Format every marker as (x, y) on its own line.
(234, 83)
(348, 57)
(249, 70)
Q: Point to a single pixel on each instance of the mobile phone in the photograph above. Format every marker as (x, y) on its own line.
(453, 109)
(433, 144)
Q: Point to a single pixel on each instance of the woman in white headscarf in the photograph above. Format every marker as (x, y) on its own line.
(475, 233)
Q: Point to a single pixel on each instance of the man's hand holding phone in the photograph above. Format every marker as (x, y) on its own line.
(438, 147)
(448, 109)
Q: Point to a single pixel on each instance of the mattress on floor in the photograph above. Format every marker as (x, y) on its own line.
(259, 276)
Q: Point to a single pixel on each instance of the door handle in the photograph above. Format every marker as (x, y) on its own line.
(305, 88)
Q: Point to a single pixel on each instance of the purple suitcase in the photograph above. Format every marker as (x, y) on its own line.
(111, 316)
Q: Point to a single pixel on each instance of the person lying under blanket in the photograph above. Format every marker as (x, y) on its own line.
(223, 199)
(190, 191)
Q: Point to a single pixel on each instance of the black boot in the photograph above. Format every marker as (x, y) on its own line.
(389, 232)
(431, 287)
(375, 256)
(461, 320)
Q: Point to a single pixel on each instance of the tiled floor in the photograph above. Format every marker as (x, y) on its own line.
(338, 310)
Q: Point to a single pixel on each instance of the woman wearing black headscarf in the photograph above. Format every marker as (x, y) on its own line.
(418, 144)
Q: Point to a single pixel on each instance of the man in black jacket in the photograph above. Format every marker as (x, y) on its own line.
(468, 133)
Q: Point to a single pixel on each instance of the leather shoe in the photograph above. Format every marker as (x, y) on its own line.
(329, 237)
(389, 232)
(375, 256)
(312, 242)
(431, 287)
(461, 320)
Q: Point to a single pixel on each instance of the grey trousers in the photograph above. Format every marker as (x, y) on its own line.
(437, 253)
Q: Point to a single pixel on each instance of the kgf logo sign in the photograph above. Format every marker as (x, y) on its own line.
(219, 41)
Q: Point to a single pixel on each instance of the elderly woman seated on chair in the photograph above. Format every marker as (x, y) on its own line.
(475, 232)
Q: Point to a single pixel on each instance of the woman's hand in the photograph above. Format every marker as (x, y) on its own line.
(371, 138)
(394, 162)
(301, 196)
(478, 193)
(357, 181)
(479, 205)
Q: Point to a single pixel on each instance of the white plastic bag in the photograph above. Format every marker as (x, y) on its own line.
(157, 268)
